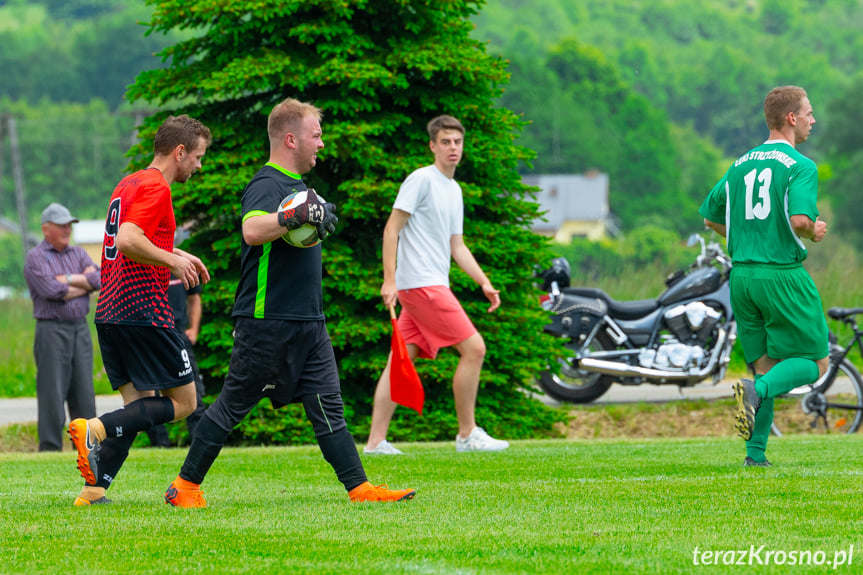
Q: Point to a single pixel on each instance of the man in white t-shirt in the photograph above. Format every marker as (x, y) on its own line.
(425, 232)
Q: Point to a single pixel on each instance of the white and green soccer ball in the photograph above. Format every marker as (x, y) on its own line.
(304, 236)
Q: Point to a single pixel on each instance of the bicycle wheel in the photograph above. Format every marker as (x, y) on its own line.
(832, 406)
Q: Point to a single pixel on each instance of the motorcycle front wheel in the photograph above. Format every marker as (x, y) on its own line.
(573, 385)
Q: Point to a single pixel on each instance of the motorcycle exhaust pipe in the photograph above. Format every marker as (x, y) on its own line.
(623, 370)
(612, 368)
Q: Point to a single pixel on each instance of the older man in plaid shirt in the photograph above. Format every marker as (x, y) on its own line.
(60, 278)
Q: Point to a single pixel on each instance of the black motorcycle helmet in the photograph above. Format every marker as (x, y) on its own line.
(558, 272)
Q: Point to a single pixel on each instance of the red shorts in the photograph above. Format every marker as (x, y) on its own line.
(432, 318)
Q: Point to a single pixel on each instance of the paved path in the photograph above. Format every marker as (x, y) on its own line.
(23, 410)
(655, 393)
(661, 393)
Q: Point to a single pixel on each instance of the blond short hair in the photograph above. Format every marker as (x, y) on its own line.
(287, 115)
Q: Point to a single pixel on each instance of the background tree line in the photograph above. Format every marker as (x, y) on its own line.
(75, 50)
(656, 94)
(64, 69)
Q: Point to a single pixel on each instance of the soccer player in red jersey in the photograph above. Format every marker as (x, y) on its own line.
(141, 351)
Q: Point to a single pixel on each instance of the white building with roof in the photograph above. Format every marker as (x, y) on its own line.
(573, 205)
(89, 234)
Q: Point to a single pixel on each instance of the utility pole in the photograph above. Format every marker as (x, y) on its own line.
(137, 120)
(97, 154)
(18, 173)
(555, 128)
(2, 123)
(137, 116)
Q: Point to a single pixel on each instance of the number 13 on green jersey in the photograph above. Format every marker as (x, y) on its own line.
(756, 198)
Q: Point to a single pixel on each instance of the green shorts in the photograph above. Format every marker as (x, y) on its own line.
(778, 312)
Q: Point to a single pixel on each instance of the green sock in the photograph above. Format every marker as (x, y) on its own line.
(785, 376)
(756, 447)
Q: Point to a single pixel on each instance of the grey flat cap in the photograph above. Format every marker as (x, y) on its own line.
(57, 214)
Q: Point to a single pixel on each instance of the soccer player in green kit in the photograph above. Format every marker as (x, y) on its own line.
(765, 206)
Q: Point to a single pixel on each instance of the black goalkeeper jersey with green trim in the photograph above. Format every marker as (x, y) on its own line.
(278, 280)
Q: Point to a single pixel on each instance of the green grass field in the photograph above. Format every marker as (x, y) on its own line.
(555, 506)
(552, 506)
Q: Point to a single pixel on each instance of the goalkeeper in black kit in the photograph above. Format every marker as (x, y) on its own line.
(281, 346)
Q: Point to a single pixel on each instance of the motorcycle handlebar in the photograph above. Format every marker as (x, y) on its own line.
(559, 273)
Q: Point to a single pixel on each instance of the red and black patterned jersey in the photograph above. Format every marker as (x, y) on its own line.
(134, 293)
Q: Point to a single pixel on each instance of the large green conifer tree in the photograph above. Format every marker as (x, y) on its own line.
(379, 69)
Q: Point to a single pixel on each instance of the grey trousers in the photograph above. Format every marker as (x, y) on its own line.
(64, 373)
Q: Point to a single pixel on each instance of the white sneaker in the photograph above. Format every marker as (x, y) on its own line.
(479, 440)
(383, 448)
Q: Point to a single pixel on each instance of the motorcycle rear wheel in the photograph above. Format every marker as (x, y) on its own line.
(573, 385)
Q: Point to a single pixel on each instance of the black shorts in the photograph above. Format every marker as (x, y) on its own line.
(280, 359)
(151, 358)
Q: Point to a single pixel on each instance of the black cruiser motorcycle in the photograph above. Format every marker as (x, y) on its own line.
(681, 338)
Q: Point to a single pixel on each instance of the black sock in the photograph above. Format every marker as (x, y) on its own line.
(206, 445)
(112, 455)
(140, 415)
(340, 451)
(193, 419)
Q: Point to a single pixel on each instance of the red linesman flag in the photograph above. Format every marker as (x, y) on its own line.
(405, 386)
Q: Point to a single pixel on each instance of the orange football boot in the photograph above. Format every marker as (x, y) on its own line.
(88, 449)
(368, 492)
(182, 493)
(81, 502)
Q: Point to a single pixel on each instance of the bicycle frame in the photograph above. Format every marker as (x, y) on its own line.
(813, 396)
(837, 356)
